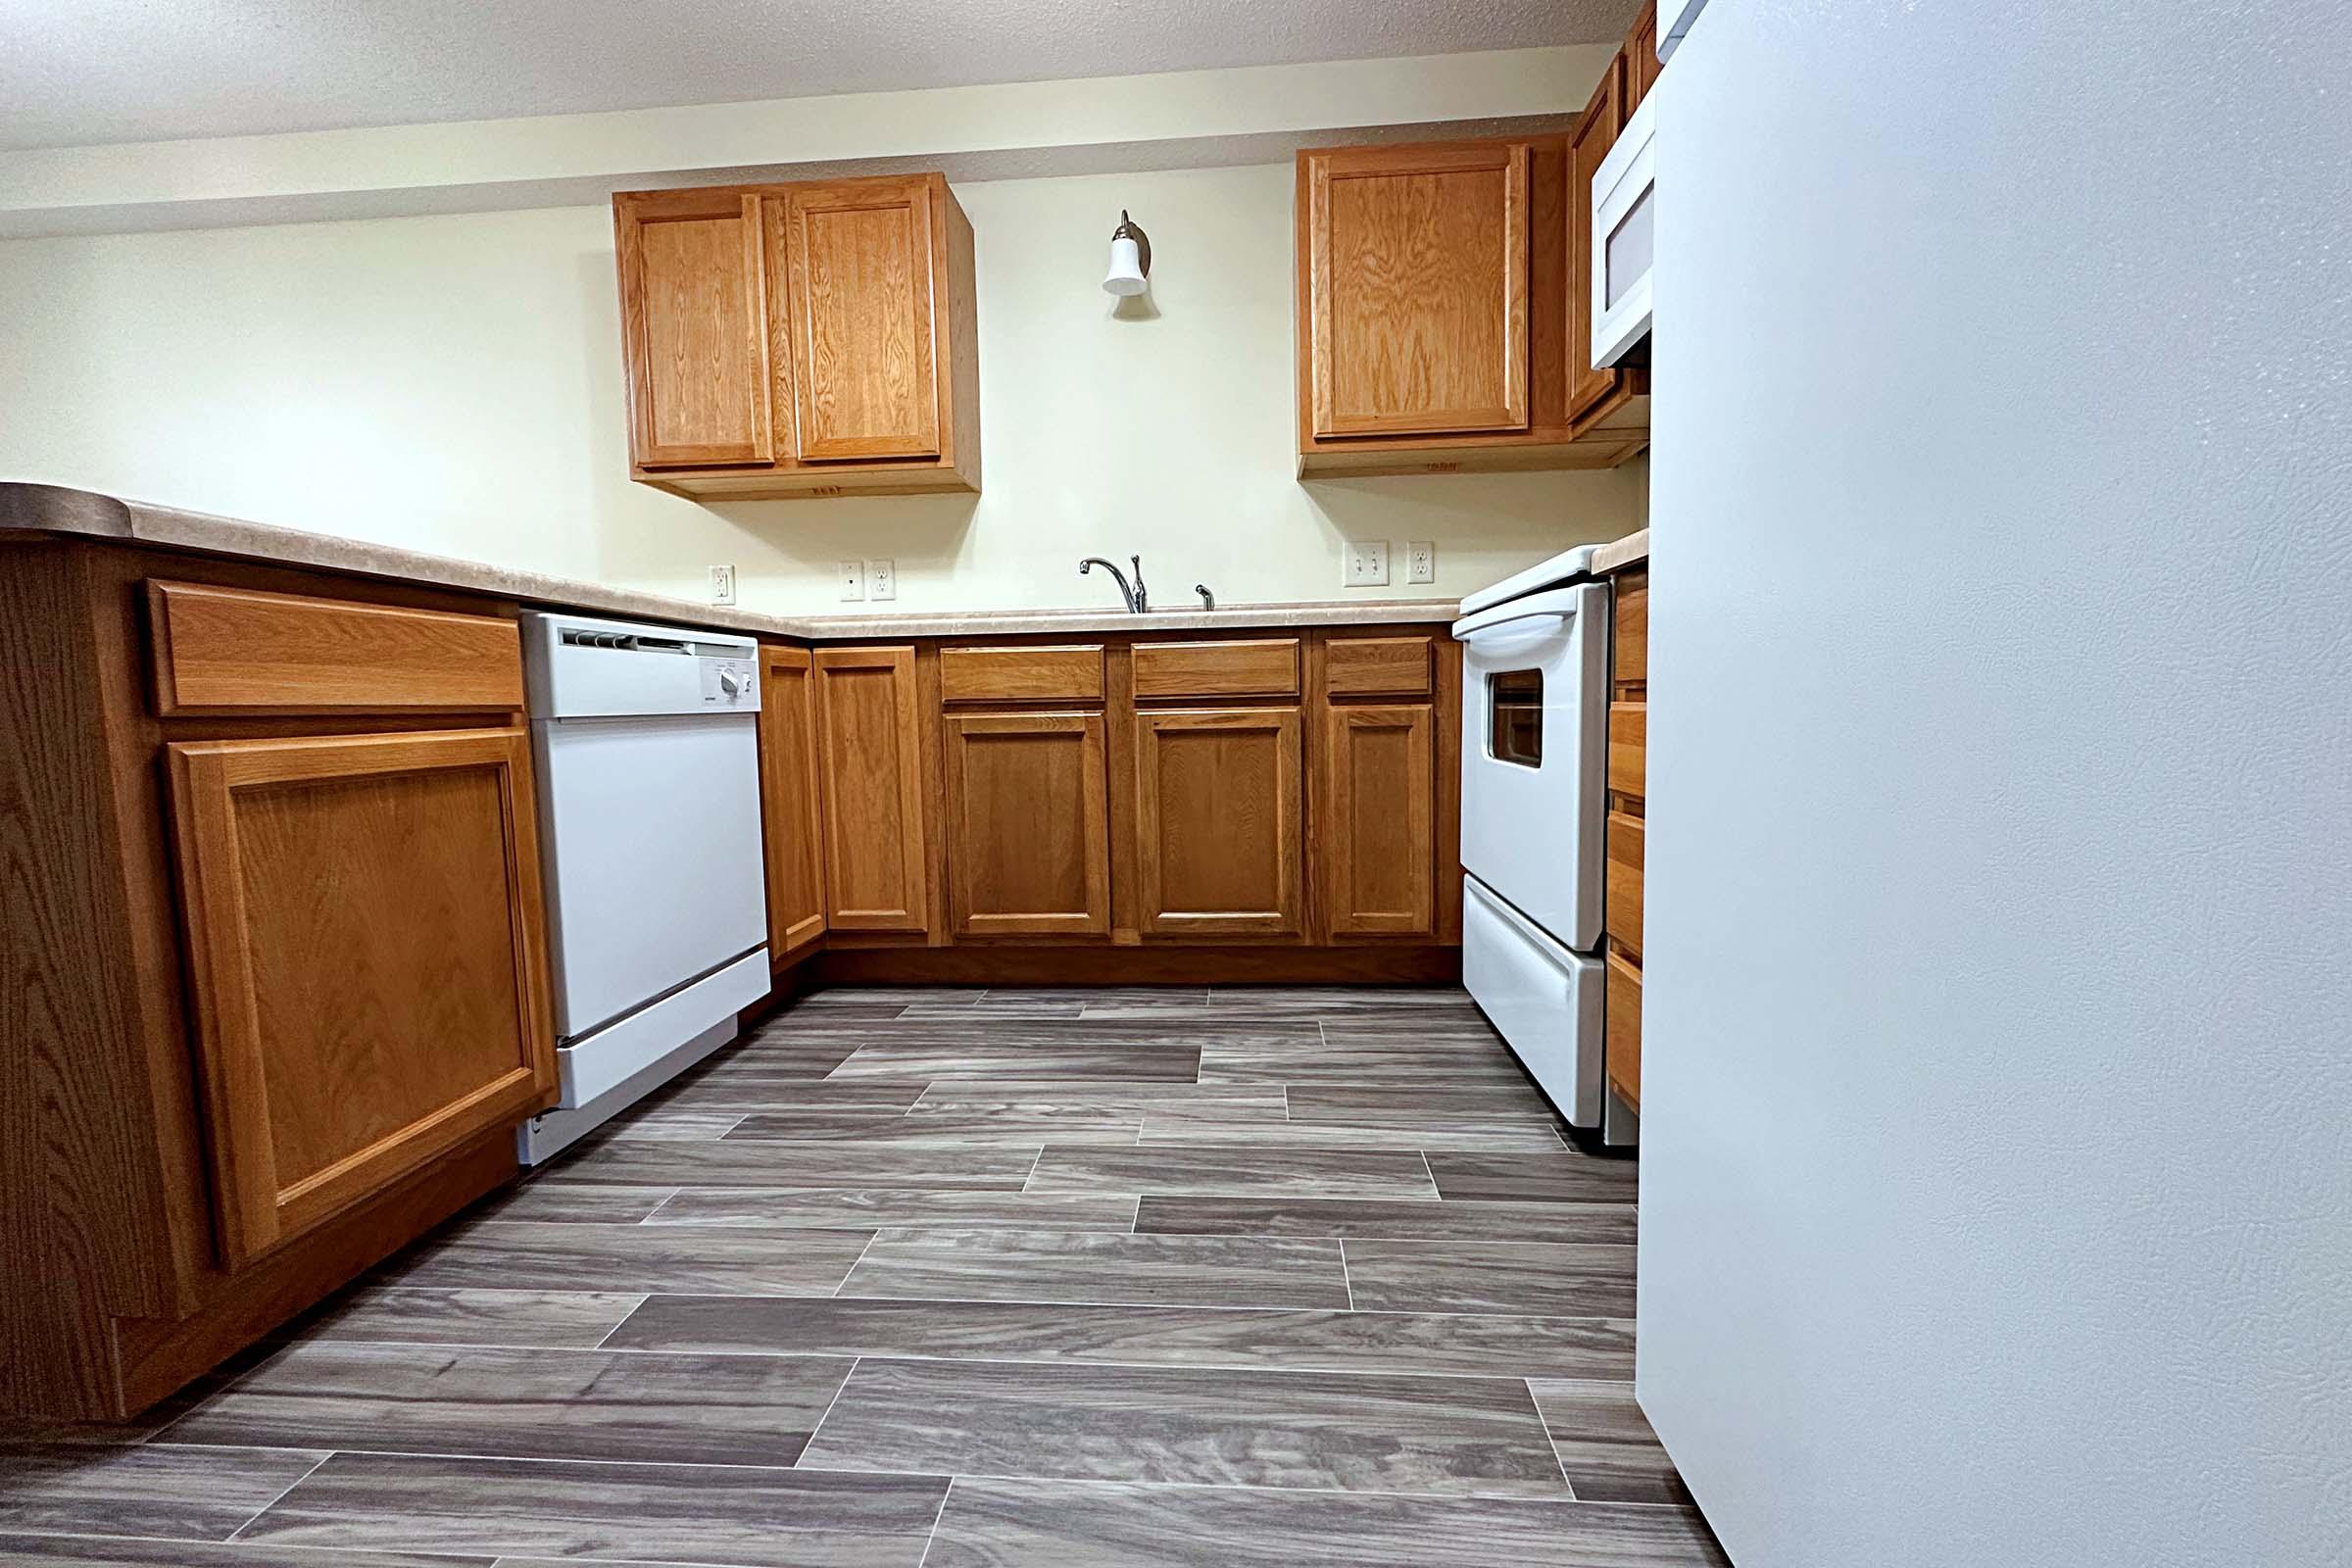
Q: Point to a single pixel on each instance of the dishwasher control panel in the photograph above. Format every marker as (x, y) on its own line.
(730, 682)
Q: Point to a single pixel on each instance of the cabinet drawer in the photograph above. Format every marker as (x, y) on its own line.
(1377, 666)
(1267, 667)
(227, 649)
(1622, 1031)
(1621, 905)
(1629, 747)
(1630, 659)
(1072, 673)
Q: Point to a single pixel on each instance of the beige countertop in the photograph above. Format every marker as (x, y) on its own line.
(1618, 553)
(57, 509)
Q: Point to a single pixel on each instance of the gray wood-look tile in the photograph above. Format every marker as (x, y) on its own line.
(1343, 1001)
(1272, 1338)
(754, 1163)
(399, 1314)
(1565, 1280)
(751, 1517)
(861, 1207)
(1604, 1442)
(1415, 1105)
(1077, 1097)
(1500, 1133)
(881, 1094)
(1402, 1058)
(1569, 1176)
(675, 1121)
(1190, 1426)
(525, 1404)
(1243, 1171)
(92, 1551)
(573, 1203)
(152, 1489)
(1042, 1524)
(1027, 1047)
(973, 1131)
(1451, 1220)
(526, 1255)
(1018, 1265)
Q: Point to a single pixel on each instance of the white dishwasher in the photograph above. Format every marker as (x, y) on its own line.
(646, 743)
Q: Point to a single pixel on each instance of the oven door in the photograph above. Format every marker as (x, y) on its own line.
(1535, 753)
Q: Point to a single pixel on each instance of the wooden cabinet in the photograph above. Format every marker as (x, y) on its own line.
(877, 870)
(1628, 831)
(1588, 144)
(1374, 838)
(1028, 829)
(809, 339)
(1641, 62)
(366, 939)
(791, 814)
(1219, 838)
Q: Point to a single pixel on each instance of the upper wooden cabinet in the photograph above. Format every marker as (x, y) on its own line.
(1433, 312)
(791, 814)
(1589, 143)
(1641, 62)
(800, 340)
(876, 790)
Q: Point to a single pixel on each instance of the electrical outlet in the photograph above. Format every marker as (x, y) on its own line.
(881, 579)
(853, 579)
(1421, 561)
(1367, 564)
(723, 585)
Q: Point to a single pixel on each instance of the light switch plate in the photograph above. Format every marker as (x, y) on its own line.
(853, 579)
(1367, 564)
(723, 585)
(1421, 561)
(881, 579)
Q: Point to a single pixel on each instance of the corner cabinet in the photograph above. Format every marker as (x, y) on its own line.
(809, 339)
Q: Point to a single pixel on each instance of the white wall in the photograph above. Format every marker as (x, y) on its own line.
(452, 383)
(1996, 1198)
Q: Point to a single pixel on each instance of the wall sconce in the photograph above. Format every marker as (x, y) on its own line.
(1130, 257)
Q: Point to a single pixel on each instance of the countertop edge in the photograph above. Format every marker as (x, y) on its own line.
(1618, 553)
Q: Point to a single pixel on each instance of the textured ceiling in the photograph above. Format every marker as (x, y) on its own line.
(80, 71)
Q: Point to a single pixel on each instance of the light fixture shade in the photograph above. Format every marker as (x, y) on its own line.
(1126, 275)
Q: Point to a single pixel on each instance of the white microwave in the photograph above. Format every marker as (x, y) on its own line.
(1625, 237)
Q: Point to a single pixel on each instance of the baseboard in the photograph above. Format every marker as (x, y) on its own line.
(1027, 965)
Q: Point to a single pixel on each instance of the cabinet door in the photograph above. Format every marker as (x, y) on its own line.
(365, 935)
(1217, 822)
(1029, 850)
(789, 813)
(1594, 134)
(877, 874)
(1642, 64)
(861, 257)
(1375, 839)
(694, 329)
(1417, 284)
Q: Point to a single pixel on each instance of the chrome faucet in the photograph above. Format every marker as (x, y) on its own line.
(1136, 597)
(1209, 600)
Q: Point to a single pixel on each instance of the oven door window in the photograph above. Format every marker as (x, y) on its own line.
(1515, 709)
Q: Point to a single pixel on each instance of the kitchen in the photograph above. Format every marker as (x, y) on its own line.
(615, 956)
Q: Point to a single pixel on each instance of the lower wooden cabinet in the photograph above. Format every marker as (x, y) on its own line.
(790, 813)
(1218, 830)
(1376, 837)
(877, 850)
(365, 935)
(1028, 830)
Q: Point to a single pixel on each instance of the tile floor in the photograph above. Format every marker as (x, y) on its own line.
(951, 1278)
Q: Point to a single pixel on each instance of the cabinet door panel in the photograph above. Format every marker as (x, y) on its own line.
(791, 814)
(1377, 843)
(876, 872)
(365, 938)
(1029, 848)
(693, 322)
(862, 324)
(1217, 822)
(1589, 143)
(1418, 278)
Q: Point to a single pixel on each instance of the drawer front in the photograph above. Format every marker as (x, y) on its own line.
(1072, 673)
(1377, 666)
(1620, 904)
(1628, 748)
(227, 649)
(1265, 667)
(1624, 1030)
(1632, 658)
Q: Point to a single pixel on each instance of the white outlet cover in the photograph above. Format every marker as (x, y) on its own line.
(1367, 564)
(1421, 561)
(853, 579)
(881, 579)
(723, 585)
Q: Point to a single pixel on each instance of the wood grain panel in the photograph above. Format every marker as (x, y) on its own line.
(863, 325)
(1377, 666)
(878, 869)
(229, 651)
(1021, 675)
(1589, 143)
(1629, 742)
(693, 327)
(1217, 822)
(367, 940)
(1620, 903)
(791, 810)
(1374, 838)
(1629, 654)
(1641, 62)
(1261, 668)
(1029, 843)
(1418, 288)
(1621, 1028)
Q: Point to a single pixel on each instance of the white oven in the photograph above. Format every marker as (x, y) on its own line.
(1534, 754)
